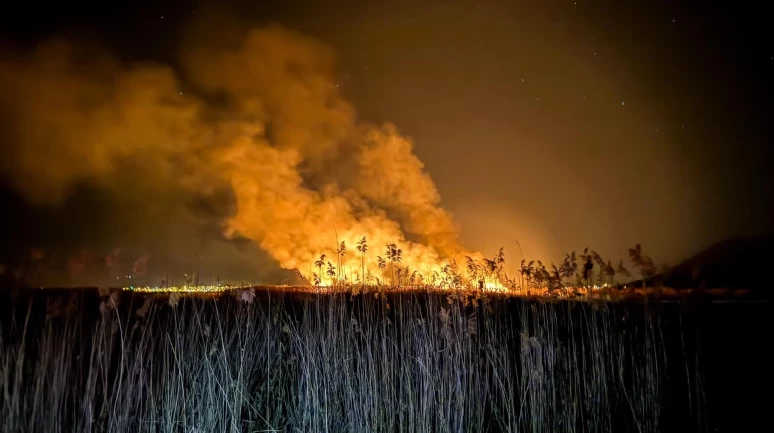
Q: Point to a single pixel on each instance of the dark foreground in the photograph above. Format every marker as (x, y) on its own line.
(404, 362)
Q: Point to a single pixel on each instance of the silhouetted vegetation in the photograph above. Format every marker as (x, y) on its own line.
(576, 275)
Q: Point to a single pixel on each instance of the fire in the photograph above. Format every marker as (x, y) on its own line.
(183, 289)
(495, 286)
(307, 176)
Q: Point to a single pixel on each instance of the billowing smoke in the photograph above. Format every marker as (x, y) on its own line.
(263, 118)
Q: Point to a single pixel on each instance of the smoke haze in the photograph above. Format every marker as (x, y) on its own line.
(261, 119)
(164, 130)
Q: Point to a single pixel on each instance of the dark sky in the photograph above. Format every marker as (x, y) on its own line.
(557, 124)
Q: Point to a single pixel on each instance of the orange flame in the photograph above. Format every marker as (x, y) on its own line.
(306, 174)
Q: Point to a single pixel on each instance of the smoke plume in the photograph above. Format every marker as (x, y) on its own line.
(262, 117)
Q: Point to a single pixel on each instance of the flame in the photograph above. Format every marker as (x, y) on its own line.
(306, 174)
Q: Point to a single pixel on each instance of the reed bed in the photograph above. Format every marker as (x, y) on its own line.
(376, 362)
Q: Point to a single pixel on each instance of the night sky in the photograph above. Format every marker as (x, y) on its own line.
(556, 124)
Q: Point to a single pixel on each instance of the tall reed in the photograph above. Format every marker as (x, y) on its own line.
(389, 362)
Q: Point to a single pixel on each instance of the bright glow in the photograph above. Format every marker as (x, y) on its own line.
(183, 289)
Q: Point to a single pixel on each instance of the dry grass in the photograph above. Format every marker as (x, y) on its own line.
(375, 362)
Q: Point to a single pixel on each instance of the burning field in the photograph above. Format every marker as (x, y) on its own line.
(251, 127)
(387, 323)
(260, 118)
(467, 352)
(464, 350)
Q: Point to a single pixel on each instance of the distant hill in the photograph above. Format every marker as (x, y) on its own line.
(738, 263)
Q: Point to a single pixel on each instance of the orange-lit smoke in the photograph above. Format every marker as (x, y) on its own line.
(263, 117)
